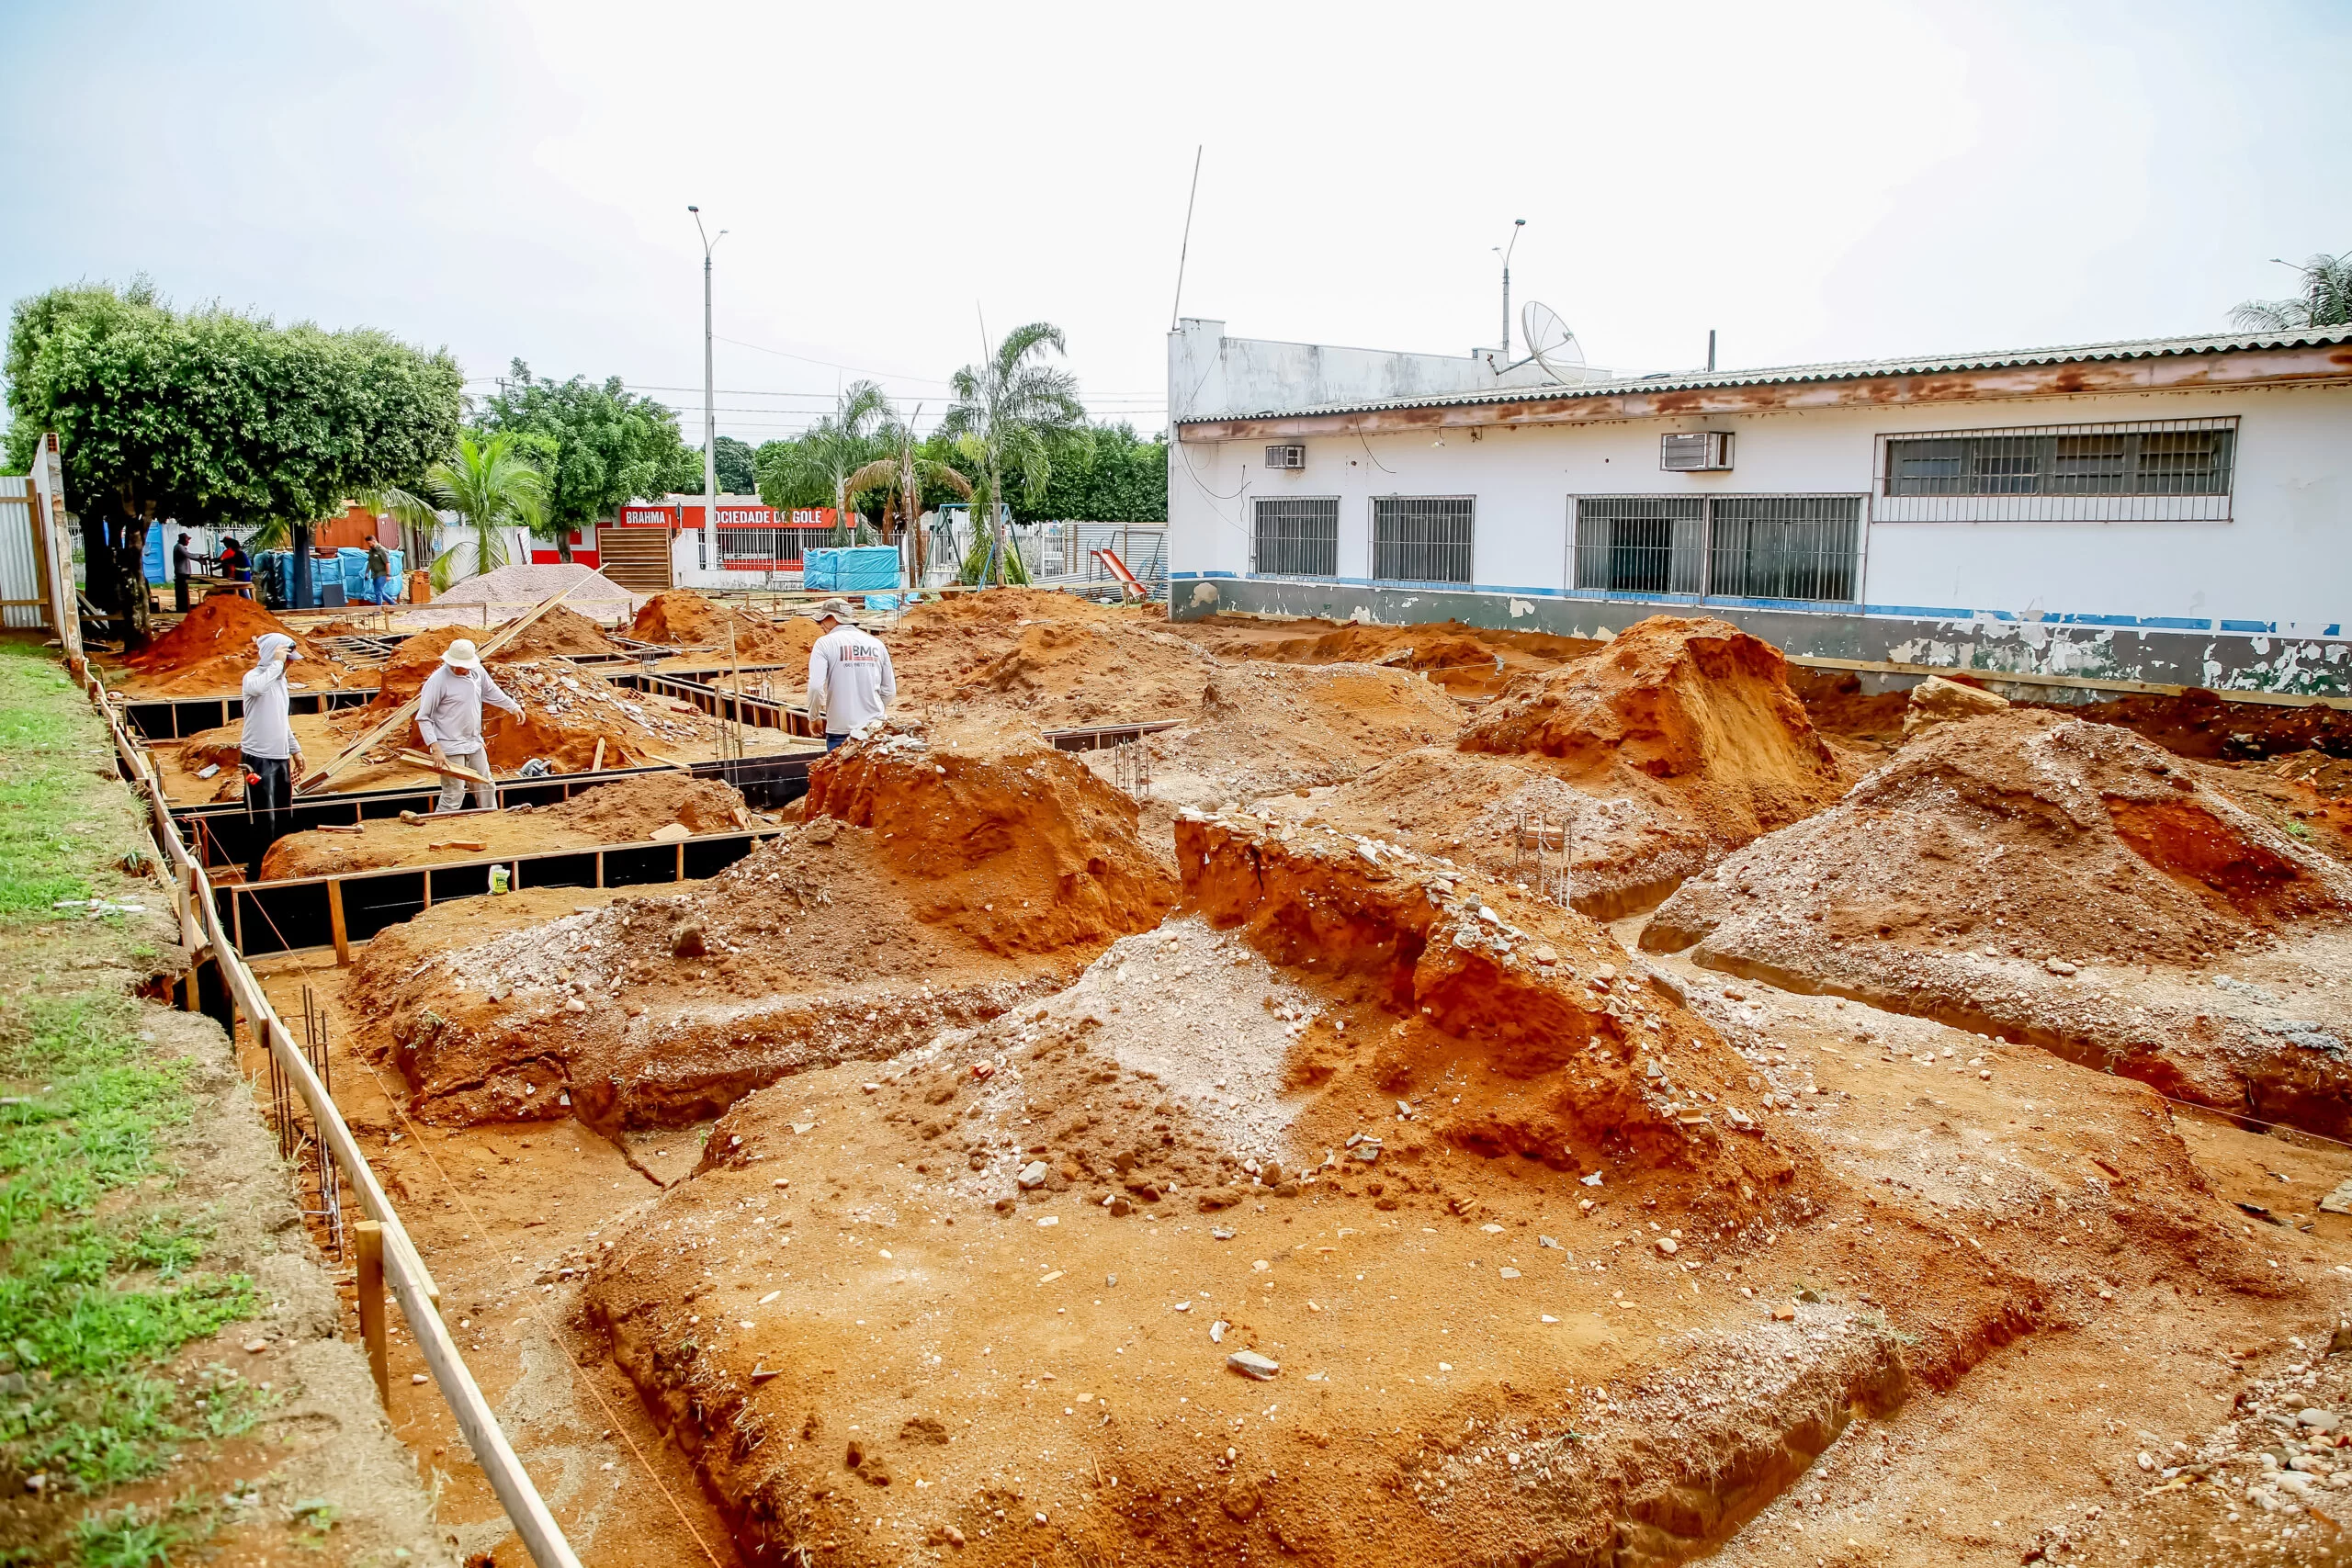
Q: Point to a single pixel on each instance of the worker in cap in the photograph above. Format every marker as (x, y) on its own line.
(448, 715)
(266, 748)
(850, 683)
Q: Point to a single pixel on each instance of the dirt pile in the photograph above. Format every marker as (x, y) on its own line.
(1608, 780)
(1269, 1143)
(559, 633)
(1463, 661)
(626, 811)
(1999, 873)
(212, 648)
(1264, 727)
(683, 618)
(1053, 660)
(938, 879)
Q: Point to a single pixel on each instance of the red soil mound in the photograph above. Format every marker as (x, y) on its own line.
(2055, 845)
(1698, 703)
(843, 939)
(626, 811)
(1465, 661)
(557, 633)
(683, 618)
(212, 646)
(1267, 726)
(1055, 659)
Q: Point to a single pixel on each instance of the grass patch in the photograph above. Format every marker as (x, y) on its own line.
(94, 1297)
(132, 1538)
(52, 827)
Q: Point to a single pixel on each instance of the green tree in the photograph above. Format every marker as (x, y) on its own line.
(1115, 477)
(902, 476)
(212, 418)
(820, 460)
(2324, 299)
(1012, 414)
(492, 485)
(609, 445)
(737, 475)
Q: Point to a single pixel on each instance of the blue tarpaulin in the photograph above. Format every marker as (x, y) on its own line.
(858, 568)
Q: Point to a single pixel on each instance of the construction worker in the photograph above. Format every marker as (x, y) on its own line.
(184, 564)
(266, 748)
(449, 715)
(850, 683)
(379, 573)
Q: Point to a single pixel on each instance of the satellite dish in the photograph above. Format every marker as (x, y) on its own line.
(1550, 342)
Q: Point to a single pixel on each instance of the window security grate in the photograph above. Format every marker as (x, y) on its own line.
(1423, 539)
(1295, 536)
(1734, 546)
(2168, 471)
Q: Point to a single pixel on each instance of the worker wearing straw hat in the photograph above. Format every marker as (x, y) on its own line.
(448, 715)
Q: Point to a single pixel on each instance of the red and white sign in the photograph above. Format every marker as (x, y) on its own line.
(686, 515)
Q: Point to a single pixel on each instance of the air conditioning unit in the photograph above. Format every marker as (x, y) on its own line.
(1695, 451)
(1292, 457)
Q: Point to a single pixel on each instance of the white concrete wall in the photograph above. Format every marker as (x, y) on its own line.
(2284, 557)
(1209, 373)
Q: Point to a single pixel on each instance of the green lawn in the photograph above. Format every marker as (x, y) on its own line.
(101, 1282)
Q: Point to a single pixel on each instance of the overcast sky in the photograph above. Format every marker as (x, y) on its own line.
(1815, 182)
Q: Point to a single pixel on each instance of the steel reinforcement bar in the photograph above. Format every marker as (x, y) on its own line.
(201, 930)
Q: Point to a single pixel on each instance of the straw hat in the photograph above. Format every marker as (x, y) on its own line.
(836, 610)
(461, 655)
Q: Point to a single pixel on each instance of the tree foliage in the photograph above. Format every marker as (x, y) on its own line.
(736, 472)
(814, 468)
(492, 484)
(609, 445)
(1115, 476)
(212, 417)
(2323, 299)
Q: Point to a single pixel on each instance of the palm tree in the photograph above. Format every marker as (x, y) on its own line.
(826, 453)
(901, 475)
(492, 487)
(1010, 413)
(2324, 300)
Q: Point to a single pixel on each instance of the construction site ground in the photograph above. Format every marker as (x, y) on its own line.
(1650, 1258)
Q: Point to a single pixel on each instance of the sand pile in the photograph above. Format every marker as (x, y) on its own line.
(626, 811)
(1465, 660)
(1635, 766)
(966, 870)
(2000, 874)
(559, 633)
(212, 648)
(685, 619)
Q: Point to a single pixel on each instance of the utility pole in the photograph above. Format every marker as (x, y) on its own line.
(1504, 252)
(710, 405)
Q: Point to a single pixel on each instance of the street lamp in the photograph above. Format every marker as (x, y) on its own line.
(1504, 252)
(711, 405)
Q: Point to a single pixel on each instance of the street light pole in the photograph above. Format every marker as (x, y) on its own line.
(710, 405)
(1516, 225)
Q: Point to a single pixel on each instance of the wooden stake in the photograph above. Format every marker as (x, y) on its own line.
(335, 922)
(369, 1237)
(596, 763)
(446, 770)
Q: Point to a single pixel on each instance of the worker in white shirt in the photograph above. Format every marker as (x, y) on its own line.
(448, 715)
(850, 681)
(266, 748)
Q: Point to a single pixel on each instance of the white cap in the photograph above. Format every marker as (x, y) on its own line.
(462, 655)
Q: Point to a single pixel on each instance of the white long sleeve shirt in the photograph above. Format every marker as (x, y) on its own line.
(850, 680)
(448, 710)
(268, 732)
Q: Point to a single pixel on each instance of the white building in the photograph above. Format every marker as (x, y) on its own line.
(2175, 511)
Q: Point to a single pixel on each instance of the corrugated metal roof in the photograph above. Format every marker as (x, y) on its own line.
(1848, 370)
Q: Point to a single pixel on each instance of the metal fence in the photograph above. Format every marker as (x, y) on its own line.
(2154, 471)
(1641, 544)
(1295, 536)
(1736, 546)
(1064, 552)
(1423, 539)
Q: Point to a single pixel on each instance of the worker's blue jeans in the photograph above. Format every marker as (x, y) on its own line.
(835, 742)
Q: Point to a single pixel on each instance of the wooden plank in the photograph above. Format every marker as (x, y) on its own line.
(446, 770)
(335, 922)
(368, 1239)
(596, 763)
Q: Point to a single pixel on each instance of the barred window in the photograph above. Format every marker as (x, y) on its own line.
(1423, 539)
(1738, 547)
(1295, 536)
(2173, 458)
(1640, 544)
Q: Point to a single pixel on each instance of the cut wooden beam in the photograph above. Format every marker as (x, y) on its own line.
(446, 770)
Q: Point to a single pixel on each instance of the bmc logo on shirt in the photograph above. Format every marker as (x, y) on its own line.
(854, 653)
